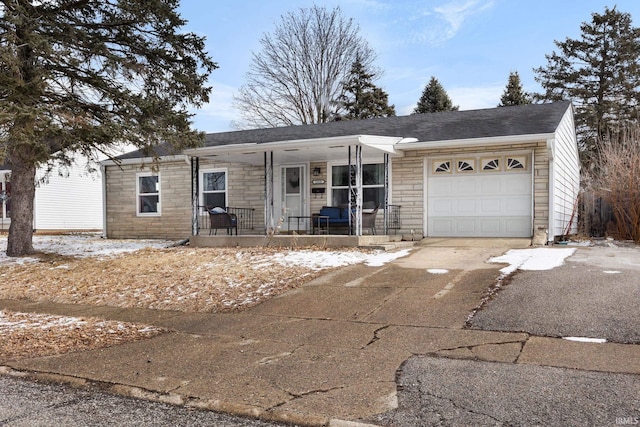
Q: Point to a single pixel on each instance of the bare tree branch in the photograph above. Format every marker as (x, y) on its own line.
(297, 76)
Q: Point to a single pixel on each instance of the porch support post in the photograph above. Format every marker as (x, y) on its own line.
(355, 192)
(195, 190)
(268, 193)
(386, 193)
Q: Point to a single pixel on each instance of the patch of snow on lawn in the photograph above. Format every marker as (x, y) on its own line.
(81, 245)
(611, 272)
(39, 321)
(437, 271)
(533, 259)
(319, 260)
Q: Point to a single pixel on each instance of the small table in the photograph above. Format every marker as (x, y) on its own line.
(320, 218)
(298, 218)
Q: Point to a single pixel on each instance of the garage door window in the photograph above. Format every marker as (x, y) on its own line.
(466, 165)
(491, 164)
(442, 166)
(519, 162)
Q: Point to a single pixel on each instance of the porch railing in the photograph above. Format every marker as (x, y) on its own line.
(245, 217)
(393, 218)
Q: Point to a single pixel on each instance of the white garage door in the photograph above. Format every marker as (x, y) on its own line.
(479, 196)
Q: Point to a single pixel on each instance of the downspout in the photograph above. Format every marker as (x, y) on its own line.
(552, 189)
(103, 172)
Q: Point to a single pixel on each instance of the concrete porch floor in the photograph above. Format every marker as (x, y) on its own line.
(297, 240)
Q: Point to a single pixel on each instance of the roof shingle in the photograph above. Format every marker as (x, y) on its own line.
(443, 126)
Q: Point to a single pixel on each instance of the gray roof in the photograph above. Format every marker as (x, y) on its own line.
(450, 125)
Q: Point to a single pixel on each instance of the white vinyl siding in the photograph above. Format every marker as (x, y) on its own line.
(565, 179)
(72, 201)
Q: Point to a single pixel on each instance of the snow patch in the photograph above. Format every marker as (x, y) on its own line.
(611, 272)
(437, 271)
(319, 260)
(81, 245)
(533, 259)
(586, 339)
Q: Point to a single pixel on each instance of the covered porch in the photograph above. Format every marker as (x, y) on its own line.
(282, 188)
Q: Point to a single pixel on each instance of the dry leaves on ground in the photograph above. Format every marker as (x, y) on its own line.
(185, 279)
(34, 335)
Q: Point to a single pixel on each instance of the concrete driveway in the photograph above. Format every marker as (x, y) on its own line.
(352, 344)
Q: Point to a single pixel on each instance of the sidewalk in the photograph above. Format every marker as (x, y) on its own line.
(326, 352)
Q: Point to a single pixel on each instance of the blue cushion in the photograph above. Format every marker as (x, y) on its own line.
(330, 211)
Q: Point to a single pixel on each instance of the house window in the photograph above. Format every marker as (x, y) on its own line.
(491, 164)
(442, 166)
(148, 194)
(372, 185)
(5, 201)
(214, 188)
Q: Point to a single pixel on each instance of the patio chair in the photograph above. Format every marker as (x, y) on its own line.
(369, 220)
(223, 220)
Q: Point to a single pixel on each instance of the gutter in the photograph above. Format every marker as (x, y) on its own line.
(145, 160)
(473, 142)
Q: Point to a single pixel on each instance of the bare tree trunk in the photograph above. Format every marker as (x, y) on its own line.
(20, 239)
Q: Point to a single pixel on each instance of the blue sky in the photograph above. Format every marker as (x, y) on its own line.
(470, 46)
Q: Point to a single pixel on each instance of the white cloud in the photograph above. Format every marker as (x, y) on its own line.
(449, 19)
(455, 13)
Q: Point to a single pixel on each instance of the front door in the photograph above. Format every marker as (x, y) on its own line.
(292, 197)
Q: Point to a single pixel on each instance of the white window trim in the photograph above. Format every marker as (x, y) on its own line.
(226, 185)
(4, 175)
(330, 187)
(159, 192)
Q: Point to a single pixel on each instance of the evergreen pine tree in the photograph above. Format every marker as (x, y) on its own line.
(434, 98)
(513, 93)
(361, 98)
(83, 76)
(599, 72)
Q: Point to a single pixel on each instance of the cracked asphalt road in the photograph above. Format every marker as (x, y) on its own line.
(28, 403)
(595, 294)
(447, 392)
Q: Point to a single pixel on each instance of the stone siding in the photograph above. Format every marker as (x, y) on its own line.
(174, 221)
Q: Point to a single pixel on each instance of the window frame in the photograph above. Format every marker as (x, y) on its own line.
(157, 192)
(331, 187)
(202, 192)
(5, 185)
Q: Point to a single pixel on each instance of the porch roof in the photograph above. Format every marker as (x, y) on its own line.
(302, 150)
